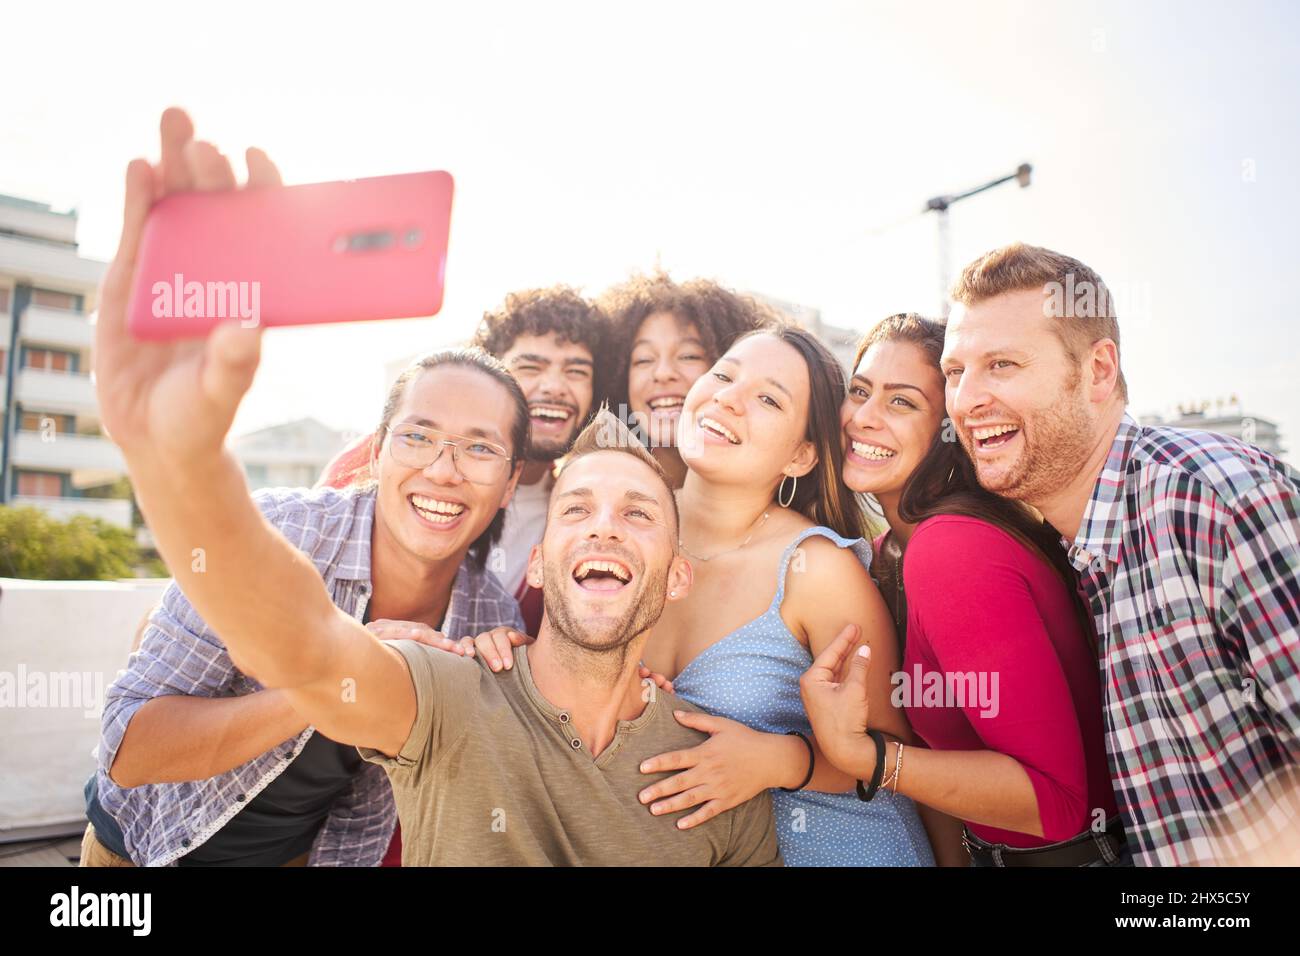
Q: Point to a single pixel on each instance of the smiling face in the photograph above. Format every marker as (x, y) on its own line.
(608, 556)
(556, 378)
(434, 513)
(746, 419)
(1016, 399)
(893, 410)
(667, 357)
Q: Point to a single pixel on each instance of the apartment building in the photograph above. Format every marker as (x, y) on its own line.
(53, 453)
(289, 455)
(1225, 417)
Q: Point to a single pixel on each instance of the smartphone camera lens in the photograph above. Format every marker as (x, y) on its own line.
(364, 242)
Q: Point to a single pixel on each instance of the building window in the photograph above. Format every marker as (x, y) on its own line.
(53, 360)
(35, 422)
(44, 298)
(40, 484)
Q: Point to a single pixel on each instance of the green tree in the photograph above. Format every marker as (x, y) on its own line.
(35, 545)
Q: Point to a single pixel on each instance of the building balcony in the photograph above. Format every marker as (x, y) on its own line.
(67, 453)
(69, 393)
(115, 511)
(38, 220)
(48, 264)
(62, 328)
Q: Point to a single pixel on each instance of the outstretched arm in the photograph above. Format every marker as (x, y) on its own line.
(170, 406)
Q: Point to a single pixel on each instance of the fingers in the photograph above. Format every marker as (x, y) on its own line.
(705, 722)
(261, 171)
(414, 631)
(660, 681)
(139, 197)
(230, 360)
(670, 786)
(857, 676)
(487, 648)
(466, 645)
(827, 664)
(672, 760)
(495, 646)
(110, 330)
(210, 170)
(175, 130)
(703, 815)
(682, 801)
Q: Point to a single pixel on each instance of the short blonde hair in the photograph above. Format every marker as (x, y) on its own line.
(607, 432)
(1019, 267)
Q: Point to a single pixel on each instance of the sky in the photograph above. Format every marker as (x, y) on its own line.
(779, 148)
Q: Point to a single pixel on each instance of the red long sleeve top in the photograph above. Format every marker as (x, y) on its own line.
(997, 659)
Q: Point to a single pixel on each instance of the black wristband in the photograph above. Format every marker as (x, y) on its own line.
(812, 760)
(878, 774)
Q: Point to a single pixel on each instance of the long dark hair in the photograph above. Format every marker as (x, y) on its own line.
(479, 360)
(821, 495)
(944, 483)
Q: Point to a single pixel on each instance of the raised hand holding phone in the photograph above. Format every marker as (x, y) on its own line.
(169, 406)
(171, 399)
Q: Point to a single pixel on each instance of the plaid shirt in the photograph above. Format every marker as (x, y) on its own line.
(179, 654)
(1189, 553)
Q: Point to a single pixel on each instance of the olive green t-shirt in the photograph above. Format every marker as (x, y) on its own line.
(493, 774)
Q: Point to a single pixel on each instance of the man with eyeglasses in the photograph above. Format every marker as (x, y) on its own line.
(198, 765)
(556, 749)
(554, 342)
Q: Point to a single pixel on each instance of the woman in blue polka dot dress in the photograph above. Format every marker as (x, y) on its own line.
(777, 547)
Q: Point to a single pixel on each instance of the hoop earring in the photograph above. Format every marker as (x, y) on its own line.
(780, 491)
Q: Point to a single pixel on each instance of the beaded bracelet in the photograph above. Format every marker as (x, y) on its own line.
(898, 768)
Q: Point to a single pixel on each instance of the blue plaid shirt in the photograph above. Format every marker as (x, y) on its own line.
(179, 654)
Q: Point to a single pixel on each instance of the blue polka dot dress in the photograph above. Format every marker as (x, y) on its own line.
(752, 676)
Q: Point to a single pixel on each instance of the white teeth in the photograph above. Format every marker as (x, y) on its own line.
(549, 413)
(875, 452)
(719, 429)
(439, 512)
(667, 402)
(609, 567)
(980, 434)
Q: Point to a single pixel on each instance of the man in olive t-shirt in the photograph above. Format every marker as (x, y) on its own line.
(494, 774)
(539, 764)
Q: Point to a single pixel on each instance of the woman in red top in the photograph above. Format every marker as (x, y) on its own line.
(1000, 676)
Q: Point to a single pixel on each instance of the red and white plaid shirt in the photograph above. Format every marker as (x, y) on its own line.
(1189, 554)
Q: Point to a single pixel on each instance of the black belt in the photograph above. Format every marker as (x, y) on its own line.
(1087, 847)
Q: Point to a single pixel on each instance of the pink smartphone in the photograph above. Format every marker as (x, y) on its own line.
(293, 255)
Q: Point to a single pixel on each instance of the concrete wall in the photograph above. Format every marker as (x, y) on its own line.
(62, 644)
